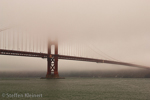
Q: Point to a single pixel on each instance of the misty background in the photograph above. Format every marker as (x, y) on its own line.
(119, 28)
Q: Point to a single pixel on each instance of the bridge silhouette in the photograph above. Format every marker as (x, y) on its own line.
(9, 43)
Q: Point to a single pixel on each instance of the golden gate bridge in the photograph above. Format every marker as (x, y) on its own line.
(31, 45)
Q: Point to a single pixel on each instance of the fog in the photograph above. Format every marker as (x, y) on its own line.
(118, 28)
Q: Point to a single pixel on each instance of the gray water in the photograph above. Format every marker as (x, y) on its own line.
(75, 89)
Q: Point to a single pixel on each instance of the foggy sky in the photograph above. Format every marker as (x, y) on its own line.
(119, 28)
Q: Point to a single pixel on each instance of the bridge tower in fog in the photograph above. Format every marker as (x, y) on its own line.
(52, 61)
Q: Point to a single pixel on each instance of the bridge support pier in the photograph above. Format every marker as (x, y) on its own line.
(52, 67)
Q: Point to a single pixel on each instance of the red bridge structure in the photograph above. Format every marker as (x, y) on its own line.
(8, 41)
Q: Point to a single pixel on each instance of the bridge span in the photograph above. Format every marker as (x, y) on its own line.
(66, 57)
(24, 43)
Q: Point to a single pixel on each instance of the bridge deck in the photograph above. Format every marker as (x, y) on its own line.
(45, 55)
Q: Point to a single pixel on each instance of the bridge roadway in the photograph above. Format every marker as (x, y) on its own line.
(45, 55)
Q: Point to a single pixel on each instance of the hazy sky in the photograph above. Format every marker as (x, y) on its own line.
(119, 28)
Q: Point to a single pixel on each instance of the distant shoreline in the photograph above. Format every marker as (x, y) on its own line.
(143, 73)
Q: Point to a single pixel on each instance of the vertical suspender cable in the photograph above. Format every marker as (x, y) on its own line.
(68, 49)
(62, 48)
(33, 42)
(26, 42)
(37, 43)
(79, 49)
(8, 41)
(83, 50)
(22, 41)
(65, 49)
(14, 41)
(40, 45)
(18, 40)
(29, 42)
(3, 41)
(76, 50)
(0, 41)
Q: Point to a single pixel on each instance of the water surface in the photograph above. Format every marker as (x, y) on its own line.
(77, 88)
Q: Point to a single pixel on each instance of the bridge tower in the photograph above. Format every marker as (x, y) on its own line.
(52, 61)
